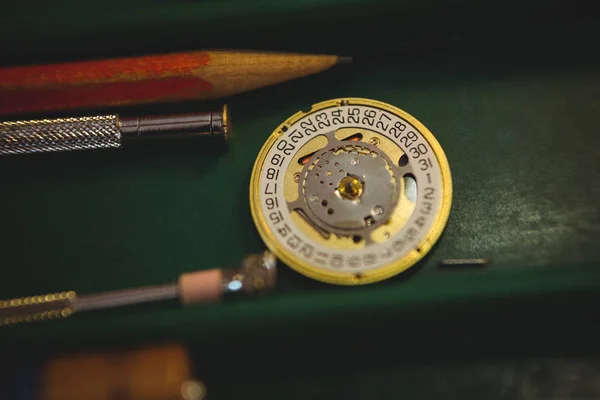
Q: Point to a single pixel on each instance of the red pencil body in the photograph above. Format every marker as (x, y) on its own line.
(172, 77)
(103, 82)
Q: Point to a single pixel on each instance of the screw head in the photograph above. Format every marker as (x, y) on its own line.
(377, 210)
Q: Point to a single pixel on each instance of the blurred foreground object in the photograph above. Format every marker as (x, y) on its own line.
(256, 274)
(106, 131)
(162, 372)
(150, 79)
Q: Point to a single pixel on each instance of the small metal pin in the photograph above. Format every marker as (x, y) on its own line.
(464, 262)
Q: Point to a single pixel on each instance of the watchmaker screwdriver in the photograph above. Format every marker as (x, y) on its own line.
(106, 131)
(258, 273)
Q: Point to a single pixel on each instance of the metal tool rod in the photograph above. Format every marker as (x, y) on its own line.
(257, 273)
(183, 125)
(106, 131)
(126, 297)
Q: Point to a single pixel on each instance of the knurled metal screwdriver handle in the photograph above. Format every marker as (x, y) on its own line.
(105, 131)
(36, 308)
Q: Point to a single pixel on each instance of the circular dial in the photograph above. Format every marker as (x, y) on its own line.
(351, 192)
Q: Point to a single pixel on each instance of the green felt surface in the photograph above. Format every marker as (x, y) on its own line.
(517, 116)
(522, 146)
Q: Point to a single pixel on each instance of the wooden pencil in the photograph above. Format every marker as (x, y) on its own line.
(170, 77)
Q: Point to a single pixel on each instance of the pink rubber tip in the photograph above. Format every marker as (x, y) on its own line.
(200, 287)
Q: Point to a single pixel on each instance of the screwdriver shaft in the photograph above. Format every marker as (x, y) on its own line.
(126, 297)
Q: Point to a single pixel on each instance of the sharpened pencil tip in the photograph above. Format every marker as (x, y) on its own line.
(343, 60)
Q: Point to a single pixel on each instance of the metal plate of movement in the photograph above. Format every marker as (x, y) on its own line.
(352, 192)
